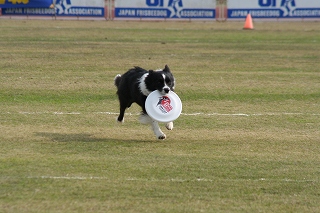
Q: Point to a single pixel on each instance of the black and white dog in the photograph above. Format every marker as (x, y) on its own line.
(136, 84)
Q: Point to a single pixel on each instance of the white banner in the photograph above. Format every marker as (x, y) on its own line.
(80, 7)
(274, 8)
(165, 9)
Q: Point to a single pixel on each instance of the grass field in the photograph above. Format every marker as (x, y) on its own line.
(247, 141)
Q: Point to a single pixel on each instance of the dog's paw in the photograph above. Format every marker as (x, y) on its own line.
(162, 137)
(169, 125)
(120, 122)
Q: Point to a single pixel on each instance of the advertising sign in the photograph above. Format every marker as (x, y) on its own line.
(92, 8)
(25, 3)
(274, 8)
(80, 7)
(163, 9)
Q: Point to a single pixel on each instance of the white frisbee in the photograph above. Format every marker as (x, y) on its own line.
(163, 108)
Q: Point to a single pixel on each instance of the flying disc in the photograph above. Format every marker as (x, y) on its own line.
(163, 108)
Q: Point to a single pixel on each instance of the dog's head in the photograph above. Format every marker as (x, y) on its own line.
(161, 80)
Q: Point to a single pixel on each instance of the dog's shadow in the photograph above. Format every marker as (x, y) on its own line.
(81, 137)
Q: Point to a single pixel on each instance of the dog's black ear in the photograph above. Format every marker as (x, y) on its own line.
(151, 73)
(166, 69)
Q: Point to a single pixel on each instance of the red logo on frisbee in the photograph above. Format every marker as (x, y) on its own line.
(164, 104)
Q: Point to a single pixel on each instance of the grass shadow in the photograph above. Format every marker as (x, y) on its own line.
(83, 137)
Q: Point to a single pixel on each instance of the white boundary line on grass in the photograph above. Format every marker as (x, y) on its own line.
(225, 114)
(183, 114)
(169, 180)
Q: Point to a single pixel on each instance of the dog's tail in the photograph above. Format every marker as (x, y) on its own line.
(117, 80)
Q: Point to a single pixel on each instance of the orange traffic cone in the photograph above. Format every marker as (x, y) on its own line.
(248, 24)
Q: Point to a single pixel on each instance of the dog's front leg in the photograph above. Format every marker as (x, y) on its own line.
(157, 131)
(145, 119)
(169, 125)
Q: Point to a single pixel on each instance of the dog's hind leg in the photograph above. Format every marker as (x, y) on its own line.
(145, 118)
(123, 106)
(121, 115)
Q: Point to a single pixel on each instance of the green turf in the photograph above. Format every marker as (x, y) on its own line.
(247, 141)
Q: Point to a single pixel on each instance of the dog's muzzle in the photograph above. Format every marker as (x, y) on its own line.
(166, 90)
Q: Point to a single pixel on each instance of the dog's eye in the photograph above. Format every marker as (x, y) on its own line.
(168, 81)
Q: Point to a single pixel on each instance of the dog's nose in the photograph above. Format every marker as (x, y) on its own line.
(166, 90)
